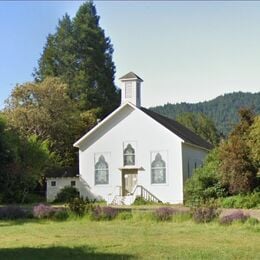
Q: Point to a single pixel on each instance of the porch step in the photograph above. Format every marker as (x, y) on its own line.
(138, 191)
(118, 200)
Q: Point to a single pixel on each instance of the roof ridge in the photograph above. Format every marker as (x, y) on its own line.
(179, 129)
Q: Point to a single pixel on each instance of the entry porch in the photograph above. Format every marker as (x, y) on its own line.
(129, 190)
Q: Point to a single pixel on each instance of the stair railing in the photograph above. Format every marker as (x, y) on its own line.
(141, 191)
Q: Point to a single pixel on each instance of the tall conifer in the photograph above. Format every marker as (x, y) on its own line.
(81, 54)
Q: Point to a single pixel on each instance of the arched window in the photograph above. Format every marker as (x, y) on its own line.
(101, 171)
(158, 168)
(129, 155)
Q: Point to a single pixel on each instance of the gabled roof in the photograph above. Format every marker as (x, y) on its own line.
(78, 142)
(130, 75)
(63, 172)
(183, 132)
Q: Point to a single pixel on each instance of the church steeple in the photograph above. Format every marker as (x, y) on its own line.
(131, 89)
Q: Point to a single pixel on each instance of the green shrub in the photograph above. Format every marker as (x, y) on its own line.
(78, 206)
(67, 194)
(141, 201)
(34, 198)
(61, 215)
(241, 201)
(204, 184)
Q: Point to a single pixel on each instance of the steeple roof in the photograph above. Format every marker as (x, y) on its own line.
(130, 75)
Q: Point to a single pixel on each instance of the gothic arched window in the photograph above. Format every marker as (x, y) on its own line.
(129, 155)
(158, 168)
(101, 171)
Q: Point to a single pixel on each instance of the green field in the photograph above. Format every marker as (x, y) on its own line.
(127, 239)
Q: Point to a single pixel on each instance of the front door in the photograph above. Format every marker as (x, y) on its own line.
(129, 180)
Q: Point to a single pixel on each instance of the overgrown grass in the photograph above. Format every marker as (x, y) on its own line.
(128, 236)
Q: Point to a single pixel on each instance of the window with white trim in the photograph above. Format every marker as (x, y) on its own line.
(129, 155)
(158, 170)
(101, 171)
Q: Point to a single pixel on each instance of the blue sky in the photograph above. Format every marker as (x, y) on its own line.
(184, 51)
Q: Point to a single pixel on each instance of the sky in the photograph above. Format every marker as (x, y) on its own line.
(184, 51)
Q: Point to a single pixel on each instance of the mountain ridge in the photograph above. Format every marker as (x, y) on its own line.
(222, 109)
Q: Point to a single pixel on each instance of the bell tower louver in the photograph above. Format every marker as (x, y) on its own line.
(131, 89)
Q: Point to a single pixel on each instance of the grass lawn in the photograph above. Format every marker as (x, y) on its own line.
(127, 239)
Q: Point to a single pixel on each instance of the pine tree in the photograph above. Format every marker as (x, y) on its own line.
(81, 54)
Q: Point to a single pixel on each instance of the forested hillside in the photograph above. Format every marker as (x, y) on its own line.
(222, 110)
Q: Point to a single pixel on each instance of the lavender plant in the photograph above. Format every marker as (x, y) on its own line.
(164, 213)
(43, 211)
(237, 215)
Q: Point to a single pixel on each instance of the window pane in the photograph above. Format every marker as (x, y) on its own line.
(101, 177)
(159, 175)
(158, 170)
(129, 160)
(129, 155)
(101, 171)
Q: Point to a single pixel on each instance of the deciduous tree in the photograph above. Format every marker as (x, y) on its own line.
(44, 109)
(23, 162)
(238, 171)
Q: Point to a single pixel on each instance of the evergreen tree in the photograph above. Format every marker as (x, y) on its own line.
(81, 54)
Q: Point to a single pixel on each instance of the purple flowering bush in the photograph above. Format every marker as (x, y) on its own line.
(237, 215)
(204, 214)
(43, 211)
(109, 212)
(164, 213)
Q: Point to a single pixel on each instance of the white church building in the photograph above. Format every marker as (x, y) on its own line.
(134, 152)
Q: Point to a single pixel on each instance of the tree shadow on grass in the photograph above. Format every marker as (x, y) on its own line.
(9, 222)
(57, 253)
